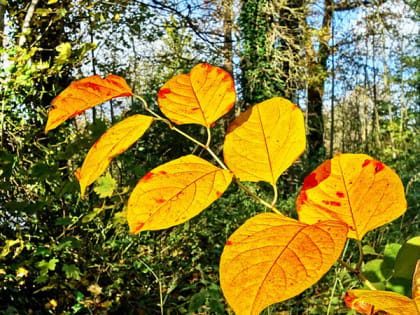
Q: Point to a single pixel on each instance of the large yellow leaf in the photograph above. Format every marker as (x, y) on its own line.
(355, 189)
(112, 143)
(373, 302)
(265, 140)
(200, 97)
(84, 94)
(272, 258)
(174, 193)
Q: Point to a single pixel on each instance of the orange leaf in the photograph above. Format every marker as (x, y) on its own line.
(112, 143)
(355, 189)
(271, 258)
(200, 97)
(373, 302)
(84, 94)
(265, 140)
(174, 193)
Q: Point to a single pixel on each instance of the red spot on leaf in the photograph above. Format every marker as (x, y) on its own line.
(163, 172)
(179, 194)
(93, 86)
(295, 107)
(331, 203)
(218, 194)
(366, 163)
(206, 66)
(219, 71)
(317, 176)
(340, 194)
(228, 243)
(147, 176)
(302, 198)
(195, 108)
(162, 93)
(160, 200)
(378, 167)
(226, 78)
(138, 227)
(212, 125)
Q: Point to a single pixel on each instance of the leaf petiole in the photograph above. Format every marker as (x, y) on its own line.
(361, 276)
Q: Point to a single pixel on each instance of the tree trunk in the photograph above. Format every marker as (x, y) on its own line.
(27, 22)
(228, 51)
(3, 4)
(316, 87)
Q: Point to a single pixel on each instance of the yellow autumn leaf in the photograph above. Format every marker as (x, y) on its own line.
(84, 94)
(373, 302)
(200, 97)
(174, 193)
(265, 140)
(272, 258)
(355, 189)
(112, 143)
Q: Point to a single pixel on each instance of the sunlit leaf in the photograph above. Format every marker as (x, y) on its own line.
(355, 189)
(265, 140)
(373, 302)
(174, 193)
(112, 143)
(84, 94)
(200, 97)
(105, 186)
(272, 258)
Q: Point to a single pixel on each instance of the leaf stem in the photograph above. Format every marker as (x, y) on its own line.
(208, 138)
(265, 203)
(362, 278)
(359, 263)
(276, 195)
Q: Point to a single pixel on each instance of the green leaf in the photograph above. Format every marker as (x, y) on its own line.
(90, 216)
(64, 53)
(105, 186)
(197, 301)
(372, 271)
(216, 307)
(390, 254)
(72, 271)
(44, 266)
(407, 258)
(368, 250)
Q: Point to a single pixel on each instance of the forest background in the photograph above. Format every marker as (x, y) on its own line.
(352, 66)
